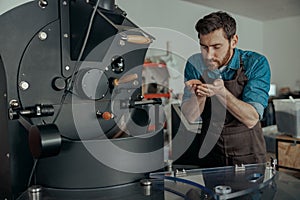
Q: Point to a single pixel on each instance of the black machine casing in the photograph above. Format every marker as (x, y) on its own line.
(40, 49)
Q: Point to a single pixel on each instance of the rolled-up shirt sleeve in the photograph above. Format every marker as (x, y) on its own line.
(259, 108)
(257, 89)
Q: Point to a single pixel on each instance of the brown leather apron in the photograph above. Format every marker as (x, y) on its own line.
(237, 144)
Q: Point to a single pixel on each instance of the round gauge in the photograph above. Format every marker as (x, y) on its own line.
(92, 84)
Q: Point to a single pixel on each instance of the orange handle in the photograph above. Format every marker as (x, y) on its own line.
(125, 79)
(138, 39)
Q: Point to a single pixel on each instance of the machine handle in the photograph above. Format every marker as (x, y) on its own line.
(125, 79)
(146, 102)
(138, 39)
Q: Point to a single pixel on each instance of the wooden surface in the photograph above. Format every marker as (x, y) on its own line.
(288, 150)
(288, 138)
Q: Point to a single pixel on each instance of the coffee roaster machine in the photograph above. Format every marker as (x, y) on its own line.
(72, 113)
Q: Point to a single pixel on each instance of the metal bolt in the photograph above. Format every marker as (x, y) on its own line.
(145, 182)
(67, 67)
(42, 35)
(66, 35)
(38, 111)
(7, 155)
(122, 43)
(222, 189)
(65, 3)
(5, 95)
(43, 4)
(35, 189)
(146, 186)
(14, 103)
(135, 83)
(24, 85)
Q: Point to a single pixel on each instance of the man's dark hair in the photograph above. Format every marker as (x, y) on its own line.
(214, 21)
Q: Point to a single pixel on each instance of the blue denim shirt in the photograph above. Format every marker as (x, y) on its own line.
(257, 70)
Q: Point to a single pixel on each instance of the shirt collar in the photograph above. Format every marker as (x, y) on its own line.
(222, 68)
(234, 63)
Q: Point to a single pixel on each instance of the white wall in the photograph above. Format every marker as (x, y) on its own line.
(282, 46)
(182, 16)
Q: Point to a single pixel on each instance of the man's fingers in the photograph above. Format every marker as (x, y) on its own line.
(203, 87)
(193, 82)
(205, 90)
(201, 93)
(202, 90)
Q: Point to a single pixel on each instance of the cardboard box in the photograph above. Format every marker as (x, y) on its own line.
(287, 114)
(288, 152)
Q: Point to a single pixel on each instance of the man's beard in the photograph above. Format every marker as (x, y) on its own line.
(212, 62)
